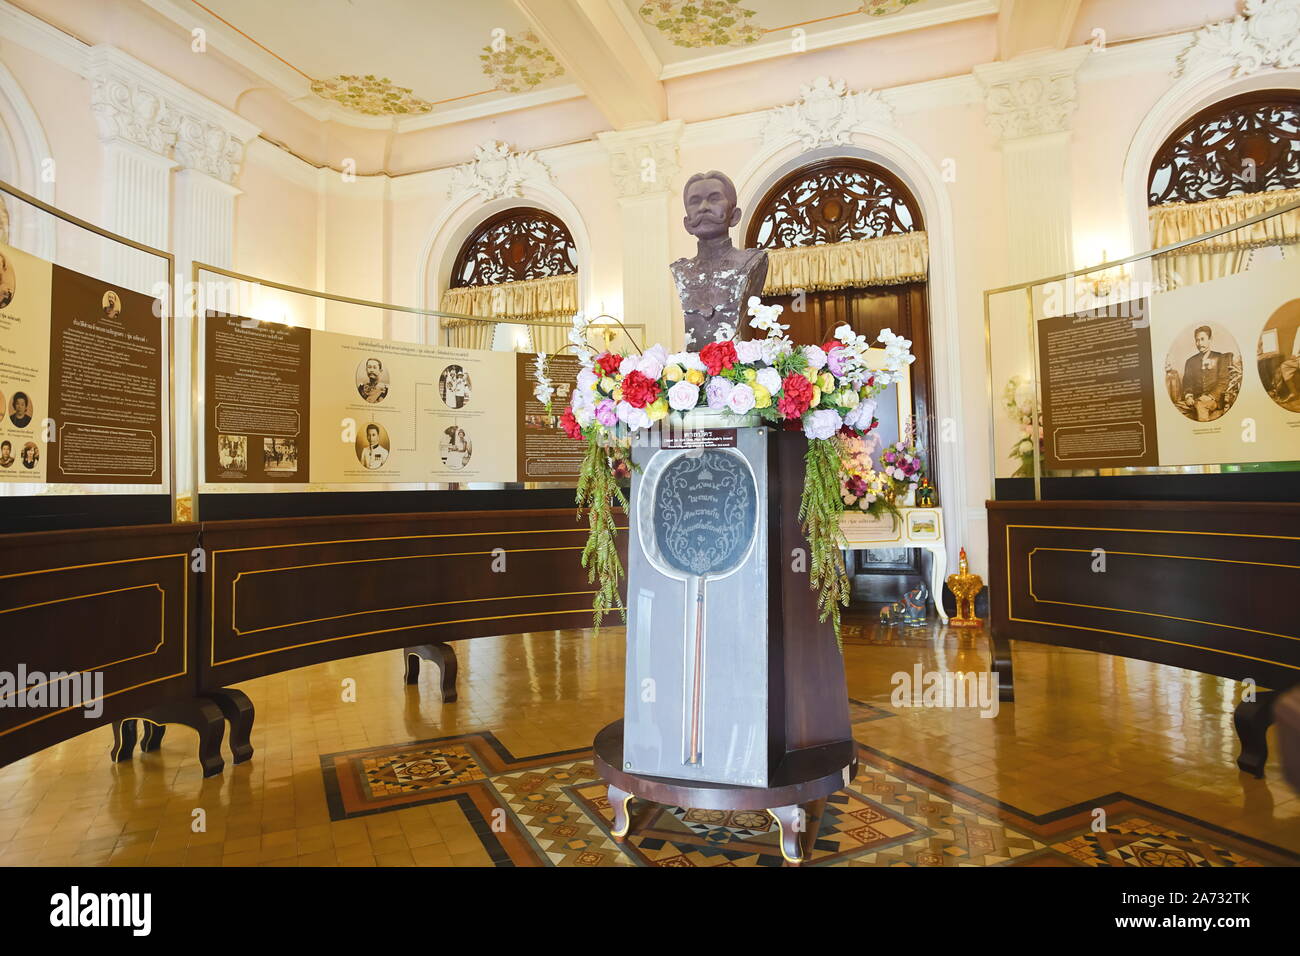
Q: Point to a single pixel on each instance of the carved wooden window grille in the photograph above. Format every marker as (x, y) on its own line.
(513, 246)
(1246, 144)
(833, 201)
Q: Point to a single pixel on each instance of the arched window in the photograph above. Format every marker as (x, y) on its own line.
(848, 200)
(514, 246)
(1246, 144)
(837, 200)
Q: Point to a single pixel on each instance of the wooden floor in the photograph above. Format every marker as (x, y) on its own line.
(1083, 726)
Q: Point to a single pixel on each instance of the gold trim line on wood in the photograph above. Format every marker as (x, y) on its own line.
(95, 564)
(407, 607)
(1170, 617)
(162, 631)
(389, 630)
(405, 537)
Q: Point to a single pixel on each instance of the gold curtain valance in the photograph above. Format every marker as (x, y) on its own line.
(555, 297)
(1173, 222)
(887, 260)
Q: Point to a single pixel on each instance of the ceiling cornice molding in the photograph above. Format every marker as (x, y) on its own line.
(34, 34)
(1266, 34)
(868, 28)
(490, 107)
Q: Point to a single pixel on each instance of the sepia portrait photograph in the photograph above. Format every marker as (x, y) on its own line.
(280, 456)
(1203, 371)
(372, 380)
(454, 386)
(1277, 356)
(455, 448)
(373, 445)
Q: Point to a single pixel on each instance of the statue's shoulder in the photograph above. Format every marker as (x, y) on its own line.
(677, 265)
(753, 256)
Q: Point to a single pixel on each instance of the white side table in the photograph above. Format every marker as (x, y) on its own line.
(917, 528)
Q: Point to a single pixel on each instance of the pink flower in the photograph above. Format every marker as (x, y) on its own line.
(606, 414)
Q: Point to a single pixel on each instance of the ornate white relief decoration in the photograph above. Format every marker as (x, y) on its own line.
(1265, 34)
(640, 165)
(496, 171)
(127, 110)
(826, 113)
(1031, 104)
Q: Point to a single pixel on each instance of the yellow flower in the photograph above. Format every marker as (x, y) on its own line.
(751, 375)
(762, 397)
(674, 373)
(607, 384)
(817, 396)
(657, 409)
(827, 381)
(847, 398)
(618, 393)
(811, 375)
(695, 377)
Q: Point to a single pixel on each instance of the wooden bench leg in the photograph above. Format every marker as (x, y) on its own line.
(440, 654)
(1252, 718)
(124, 734)
(198, 713)
(798, 824)
(238, 710)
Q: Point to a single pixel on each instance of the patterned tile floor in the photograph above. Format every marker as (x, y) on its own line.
(504, 777)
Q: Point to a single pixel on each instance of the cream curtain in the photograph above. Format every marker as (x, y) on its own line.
(887, 260)
(550, 300)
(1229, 253)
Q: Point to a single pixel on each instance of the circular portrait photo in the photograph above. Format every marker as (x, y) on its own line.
(7, 281)
(7, 454)
(112, 304)
(455, 448)
(372, 445)
(453, 386)
(1203, 371)
(372, 380)
(31, 455)
(20, 410)
(1278, 356)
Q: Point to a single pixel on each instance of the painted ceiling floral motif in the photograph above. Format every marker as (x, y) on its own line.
(883, 8)
(701, 23)
(370, 95)
(518, 64)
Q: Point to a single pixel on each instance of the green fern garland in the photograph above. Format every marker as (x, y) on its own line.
(820, 509)
(597, 490)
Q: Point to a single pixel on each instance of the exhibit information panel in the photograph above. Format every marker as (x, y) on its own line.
(81, 377)
(286, 404)
(1207, 374)
(545, 452)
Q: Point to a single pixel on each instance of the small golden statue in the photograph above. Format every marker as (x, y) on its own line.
(925, 497)
(965, 587)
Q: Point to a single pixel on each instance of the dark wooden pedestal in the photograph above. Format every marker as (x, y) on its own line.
(440, 654)
(795, 799)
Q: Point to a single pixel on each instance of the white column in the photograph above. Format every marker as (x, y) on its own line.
(643, 163)
(137, 194)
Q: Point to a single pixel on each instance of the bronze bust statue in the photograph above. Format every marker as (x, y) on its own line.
(717, 283)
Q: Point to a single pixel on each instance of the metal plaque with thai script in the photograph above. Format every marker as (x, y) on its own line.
(705, 512)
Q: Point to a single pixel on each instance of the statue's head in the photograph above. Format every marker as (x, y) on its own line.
(710, 200)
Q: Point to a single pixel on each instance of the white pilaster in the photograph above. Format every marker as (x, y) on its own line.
(643, 163)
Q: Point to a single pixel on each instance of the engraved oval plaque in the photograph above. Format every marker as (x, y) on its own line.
(706, 512)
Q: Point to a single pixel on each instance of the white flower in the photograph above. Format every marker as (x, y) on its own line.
(584, 414)
(816, 357)
(860, 415)
(628, 365)
(741, 400)
(766, 317)
(749, 351)
(651, 363)
(822, 423)
(688, 360)
(683, 396)
(770, 379)
(545, 387)
(631, 416)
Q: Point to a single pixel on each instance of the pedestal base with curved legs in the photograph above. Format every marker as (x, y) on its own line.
(238, 710)
(795, 798)
(197, 712)
(440, 654)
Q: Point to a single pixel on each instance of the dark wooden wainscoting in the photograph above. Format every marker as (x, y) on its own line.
(114, 601)
(284, 593)
(1210, 586)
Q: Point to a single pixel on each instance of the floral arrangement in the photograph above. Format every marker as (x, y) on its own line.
(1018, 399)
(826, 390)
(862, 487)
(901, 463)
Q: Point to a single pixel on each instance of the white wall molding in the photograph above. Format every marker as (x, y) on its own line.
(34, 34)
(643, 160)
(497, 172)
(1033, 94)
(825, 113)
(25, 152)
(1265, 34)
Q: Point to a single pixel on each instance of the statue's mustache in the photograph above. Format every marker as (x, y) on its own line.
(705, 215)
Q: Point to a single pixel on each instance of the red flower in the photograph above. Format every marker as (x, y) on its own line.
(639, 390)
(796, 396)
(718, 355)
(609, 362)
(570, 424)
(832, 344)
